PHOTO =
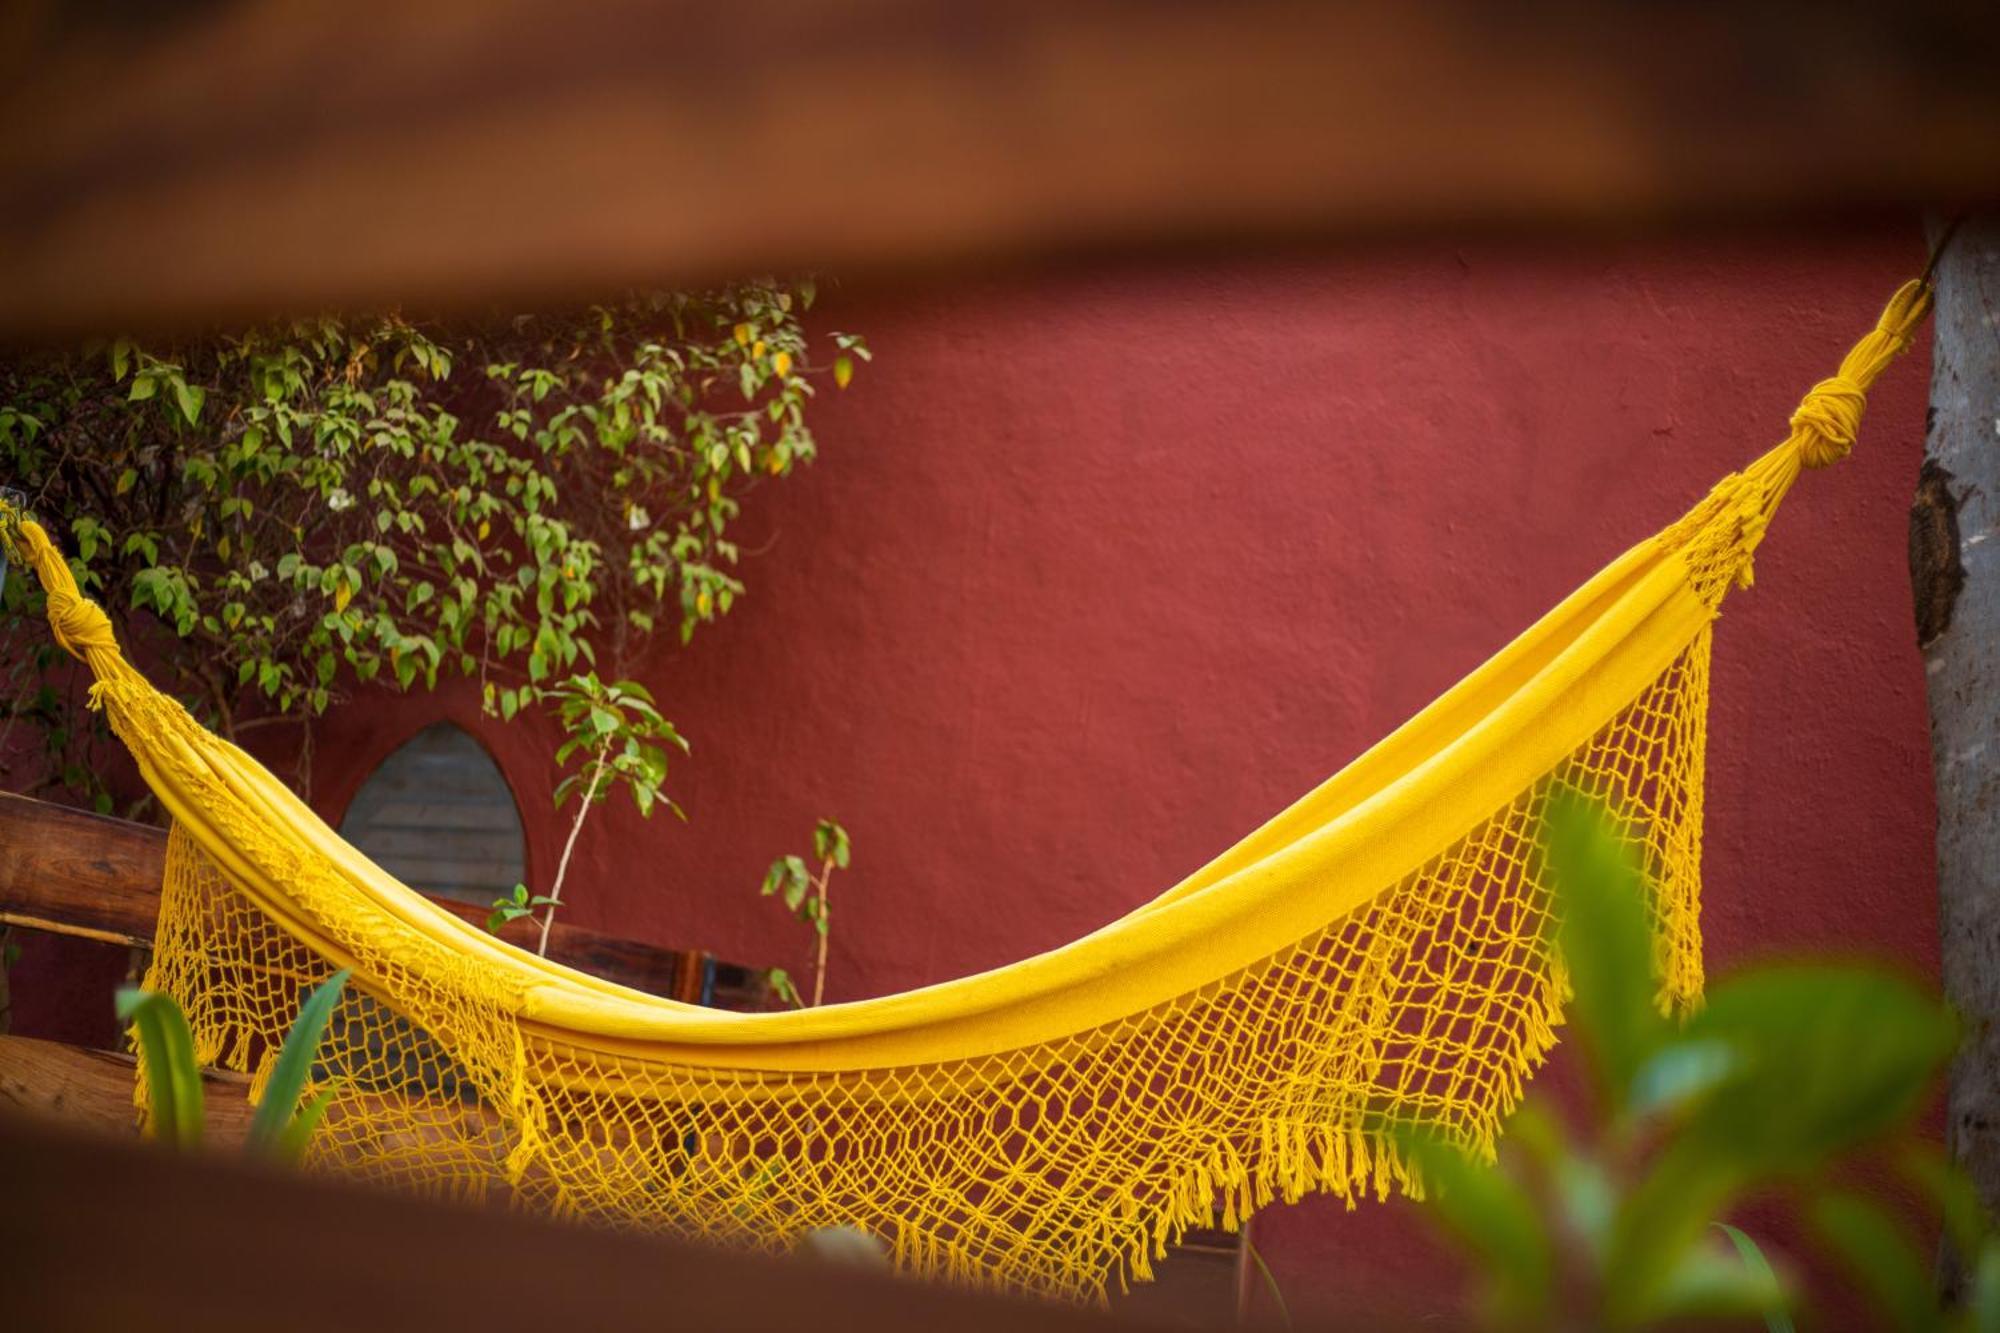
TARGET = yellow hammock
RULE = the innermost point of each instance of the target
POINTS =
(1368, 962)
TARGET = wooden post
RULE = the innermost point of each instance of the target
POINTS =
(1955, 575)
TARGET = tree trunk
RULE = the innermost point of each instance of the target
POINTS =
(1955, 575)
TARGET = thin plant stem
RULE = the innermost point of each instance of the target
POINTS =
(562, 866)
(825, 928)
(1270, 1281)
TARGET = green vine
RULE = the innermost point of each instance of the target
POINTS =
(277, 516)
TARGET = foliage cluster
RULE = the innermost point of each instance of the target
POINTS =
(279, 514)
(1785, 1075)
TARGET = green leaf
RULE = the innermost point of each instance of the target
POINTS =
(189, 397)
(797, 880)
(294, 1065)
(1965, 1221)
(1827, 1057)
(1493, 1217)
(1664, 1217)
(166, 1053)
(1776, 1319)
(1606, 942)
(830, 843)
(1982, 1302)
(512, 908)
(1705, 1285)
(1875, 1250)
(1679, 1073)
(296, 1136)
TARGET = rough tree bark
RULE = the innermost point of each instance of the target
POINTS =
(1955, 574)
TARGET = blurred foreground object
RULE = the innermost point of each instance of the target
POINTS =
(312, 1256)
(1787, 1075)
(229, 160)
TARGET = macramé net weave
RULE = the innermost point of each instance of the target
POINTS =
(1052, 1126)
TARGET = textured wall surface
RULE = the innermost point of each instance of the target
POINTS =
(1099, 568)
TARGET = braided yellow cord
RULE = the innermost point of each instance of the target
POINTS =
(1371, 961)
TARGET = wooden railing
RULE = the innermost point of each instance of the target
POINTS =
(89, 877)
(900, 135)
(98, 1234)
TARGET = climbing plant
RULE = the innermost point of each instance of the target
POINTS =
(804, 893)
(616, 738)
(277, 515)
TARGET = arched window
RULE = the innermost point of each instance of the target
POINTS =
(438, 815)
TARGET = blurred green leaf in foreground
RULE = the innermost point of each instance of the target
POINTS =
(1788, 1073)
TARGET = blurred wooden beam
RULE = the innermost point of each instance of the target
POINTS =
(50, 1084)
(83, 875)
(99, 1235)
(217, 160)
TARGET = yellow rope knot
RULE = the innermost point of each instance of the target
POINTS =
(1828, 421)
(1825, 426)
(79, 623)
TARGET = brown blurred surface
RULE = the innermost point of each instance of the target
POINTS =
(218, 160)
(105, 1235)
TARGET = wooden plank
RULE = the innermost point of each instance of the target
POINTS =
(100, 1235)
(93, 1089)
(327, 153)
(85, 875)
(79, 874)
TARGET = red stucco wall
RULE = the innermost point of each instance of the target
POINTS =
(1098, 569)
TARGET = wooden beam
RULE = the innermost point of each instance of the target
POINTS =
(79, 874)
(223, 160)
(73, 873)
(98, 1234)
(92, 1090)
